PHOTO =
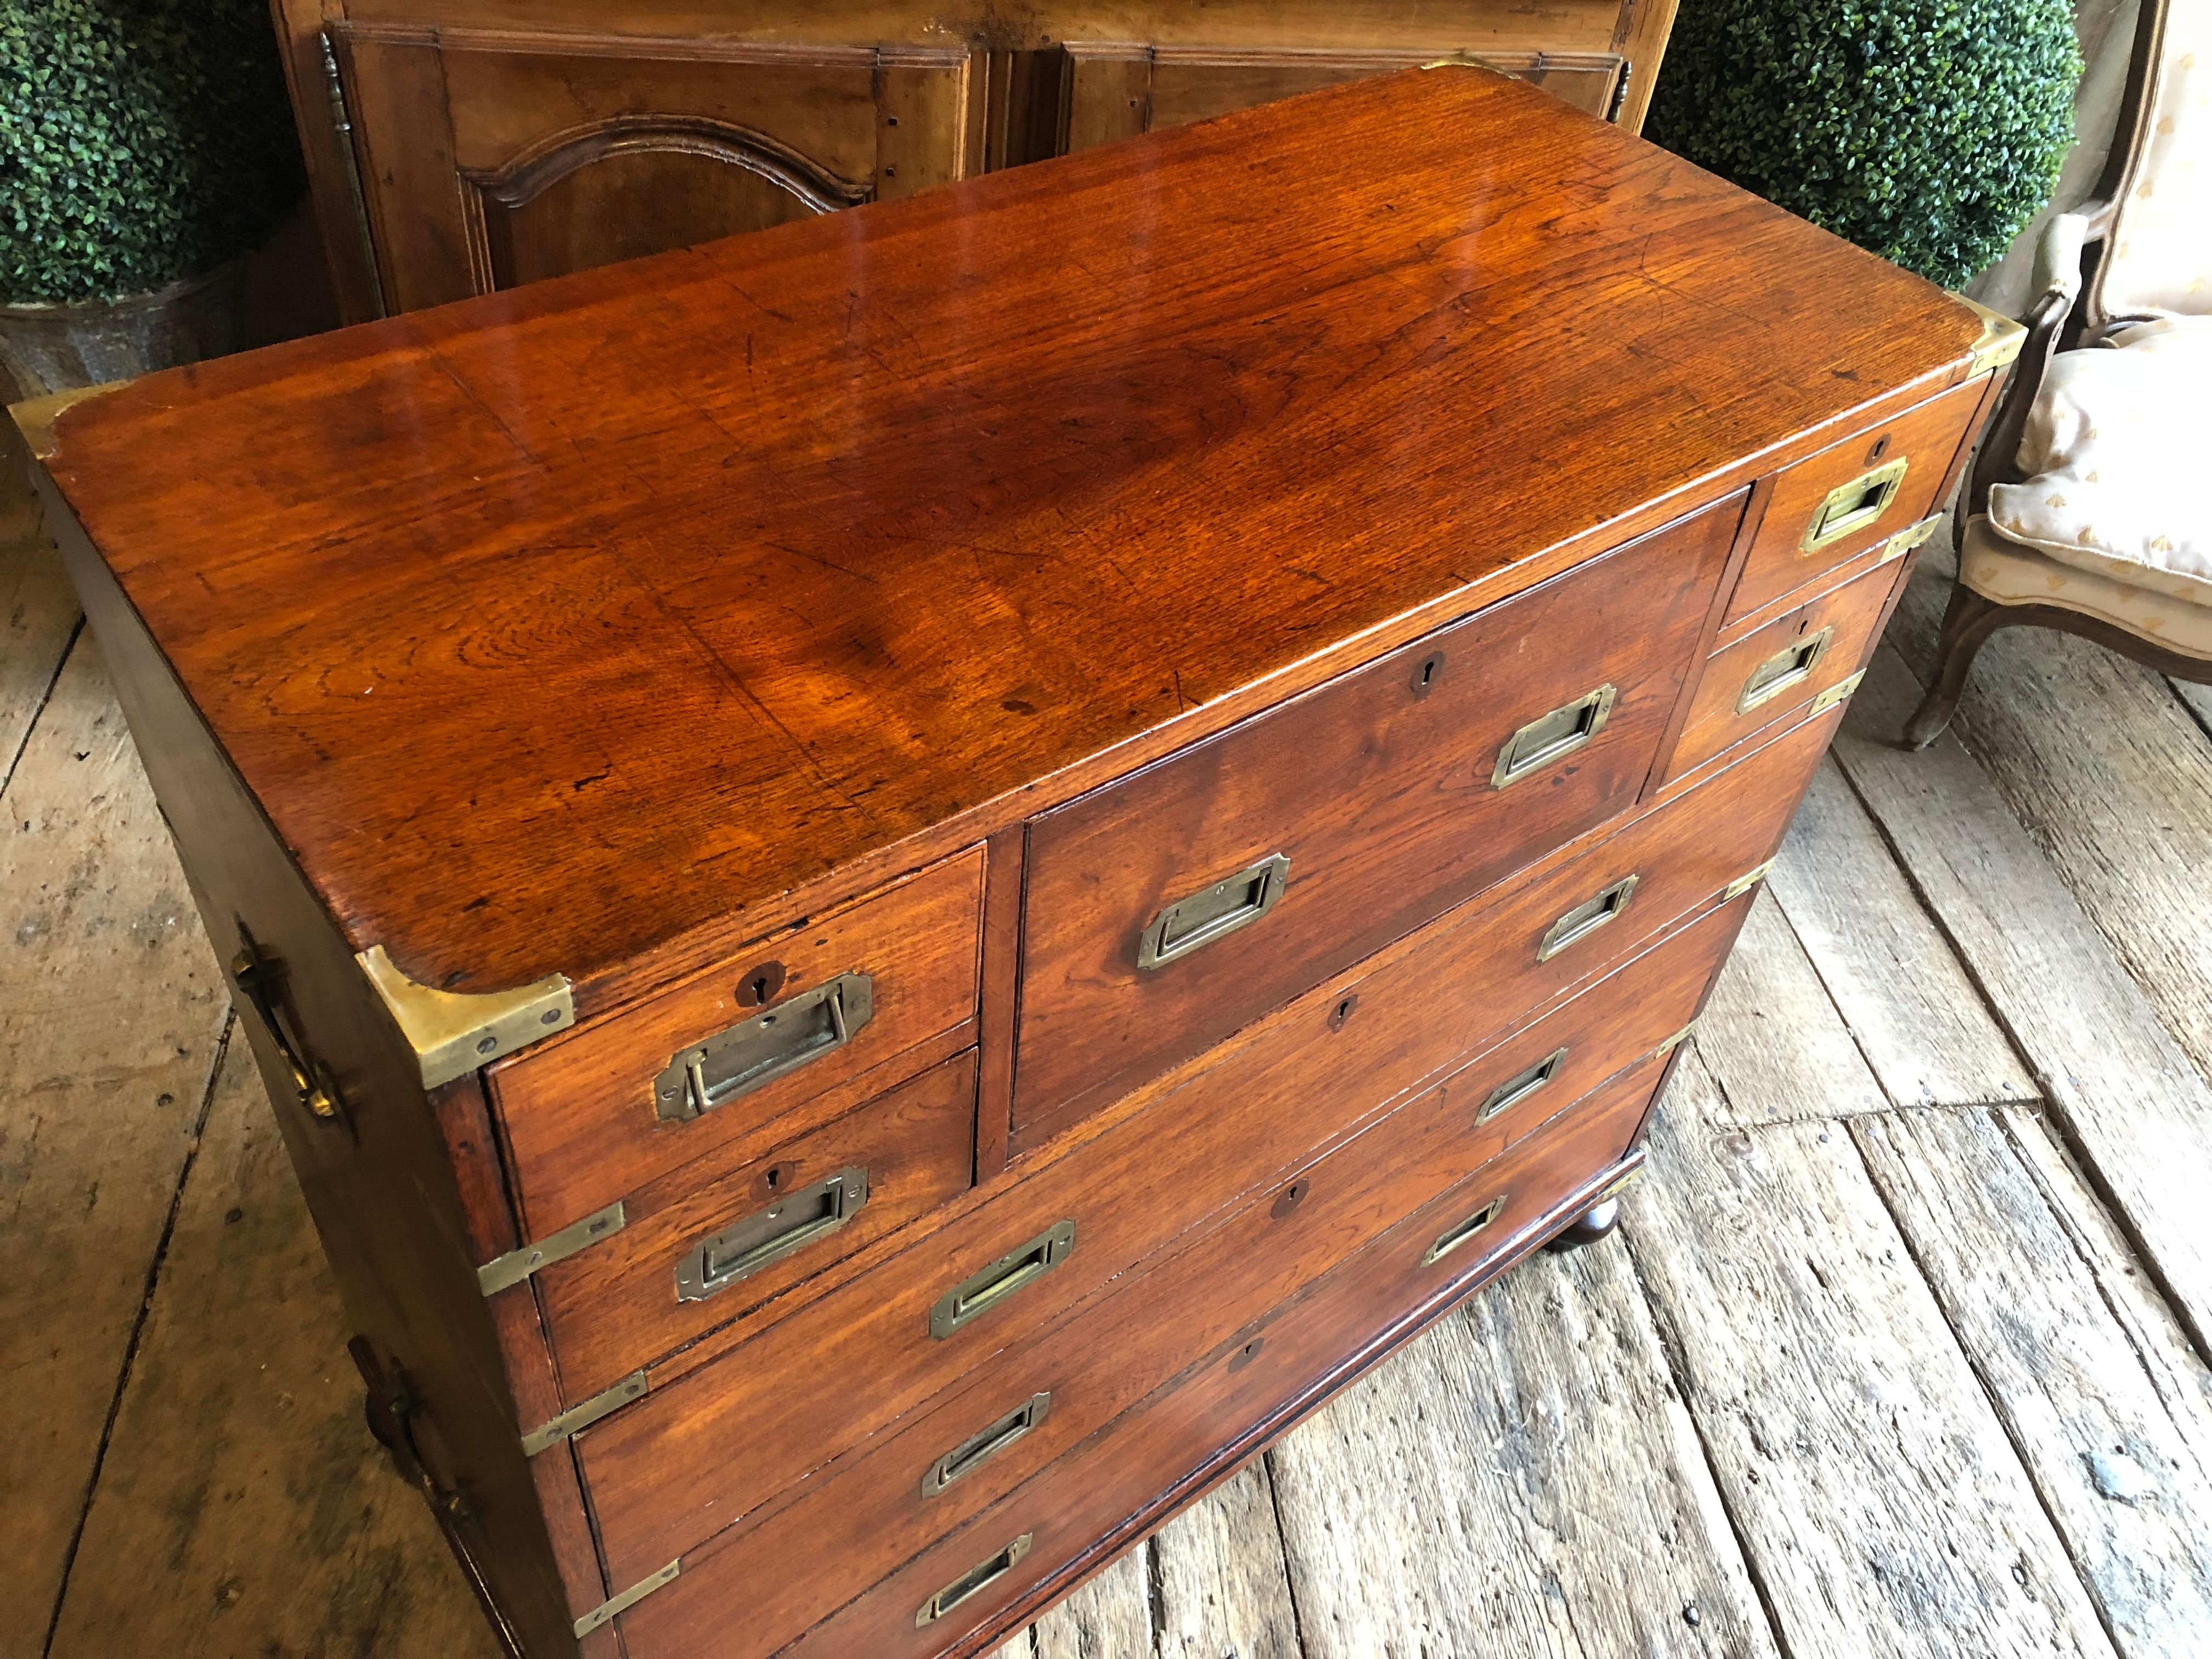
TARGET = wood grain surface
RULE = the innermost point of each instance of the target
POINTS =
(683, 585)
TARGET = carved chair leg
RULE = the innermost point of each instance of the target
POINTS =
(1967, 623)
(1588, 1227)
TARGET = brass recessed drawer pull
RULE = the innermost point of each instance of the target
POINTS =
(1511, 1092)
(974, 1297)
(788, 1225)
(1452, 1237)
(759, 1050)
(1854, 505)
(1586, 918)
(1213, 912)
(1554, 737)
(974, 1582)
(256, 976)
(979, 1449)
(1791, 666)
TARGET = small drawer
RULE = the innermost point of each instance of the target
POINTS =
(797, 1031)
(1772, 674)
(1168, 909)
(712, 1241)
(1212, 1415)
(1833, 507)
(1048, 1392)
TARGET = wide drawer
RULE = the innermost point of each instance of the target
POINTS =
(1774, 673)
(709, 1446)
(1169, 909)
(1833, 507)
(797, 1031)
(714, 1240)
(1214, 1415)
(1021, 1408)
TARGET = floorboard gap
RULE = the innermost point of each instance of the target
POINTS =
(39, 707)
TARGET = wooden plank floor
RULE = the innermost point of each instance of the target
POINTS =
(1901, 1349)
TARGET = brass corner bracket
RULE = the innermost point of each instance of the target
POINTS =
(2001, 337)
(35, 417)
(452, 1033)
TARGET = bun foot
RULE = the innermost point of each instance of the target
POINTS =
(1588, 1227)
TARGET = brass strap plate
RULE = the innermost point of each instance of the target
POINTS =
(1909, 538)
(767, 1235)
(973, 1298)
(1554, 737)
(577, 1418)
(1676, 1041)
(1212, 912)
(1836, 693)
(977, 1579)
(516, 1266)
(1744, 883)
(605, 1612)
(754, 1053)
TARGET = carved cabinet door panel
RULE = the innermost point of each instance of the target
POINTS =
(490, 159)
(1109, 90)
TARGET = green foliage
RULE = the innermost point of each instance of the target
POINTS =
(1928, 131)
(141, 142)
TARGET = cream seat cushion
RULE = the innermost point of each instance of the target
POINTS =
(2118, 452)
(2011, 573)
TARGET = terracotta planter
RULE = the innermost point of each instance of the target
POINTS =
(51, 347)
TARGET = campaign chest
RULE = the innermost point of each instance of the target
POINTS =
(902, 883)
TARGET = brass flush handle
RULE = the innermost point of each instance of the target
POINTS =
(1854, 505)
(1514, 1089)
(1586, 918)
(973, 1298)
(1452, 1237)
(1793, 664)
(1554, 737)
(985, 1444)
(769, 1235)
(974, 1582)
(754, 1052)
(1213, 912)
(259, 977)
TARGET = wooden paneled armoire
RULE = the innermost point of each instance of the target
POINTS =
(457, 147)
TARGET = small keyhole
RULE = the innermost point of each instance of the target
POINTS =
(1245, 1355)
(1342, 1012)
(890, 120)
(775, 1179)
(1290, 1198)
(1426, 672)
(759, 984)
(1881, 449)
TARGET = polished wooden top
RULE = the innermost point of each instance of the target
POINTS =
(569, 624)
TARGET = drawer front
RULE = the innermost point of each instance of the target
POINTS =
(694, 1456)
(1772, 674)
(862, 1516)
(1833, 507)
(796, 1031)
(1169, 908)
(1246, 1390)
(716, 1239)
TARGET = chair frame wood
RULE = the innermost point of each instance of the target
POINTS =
(2066, 313)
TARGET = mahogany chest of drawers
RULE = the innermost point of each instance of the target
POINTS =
(903, 883)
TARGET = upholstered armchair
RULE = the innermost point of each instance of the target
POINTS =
(2090, 506)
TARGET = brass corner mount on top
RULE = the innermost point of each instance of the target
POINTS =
(2001, 337)
(451, 1032)
(36, 417)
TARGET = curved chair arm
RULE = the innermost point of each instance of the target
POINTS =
(2058, 286)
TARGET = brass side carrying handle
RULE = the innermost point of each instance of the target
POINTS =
(257, 977)
(974, 1582)
(973, 1298)
(1514, 1089)
(1213, 912)
(1554, 737)
(1791, 666)
(769, 1235)
(985, 1444)
(1586, 918)
(1854, 505)
(754, 1053)
(1452, 1237)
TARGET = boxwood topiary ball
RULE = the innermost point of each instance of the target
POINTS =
(1928, 131)
(141, 142)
